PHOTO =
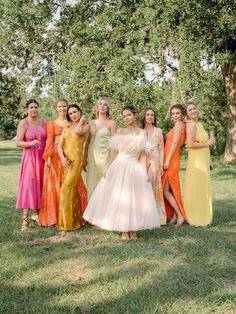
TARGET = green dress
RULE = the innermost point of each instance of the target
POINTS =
(98, 157)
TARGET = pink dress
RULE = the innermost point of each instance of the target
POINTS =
(32, 169)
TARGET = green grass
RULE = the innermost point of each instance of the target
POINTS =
(168, 270)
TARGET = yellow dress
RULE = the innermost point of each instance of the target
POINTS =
(70, 213)
(98, 157)
(197, 186)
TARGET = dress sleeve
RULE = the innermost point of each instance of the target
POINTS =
(48, 152)
(161, 147)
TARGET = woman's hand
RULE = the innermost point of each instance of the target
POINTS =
(161, 172)
(49, 162)
(35, 143)
(166, 164)
(65, 162)
(211, 141)
(84, 163)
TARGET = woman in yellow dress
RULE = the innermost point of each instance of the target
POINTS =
(70, 150)
(98, 152)
(197, 187)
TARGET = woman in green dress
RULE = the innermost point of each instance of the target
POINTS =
(97, 150)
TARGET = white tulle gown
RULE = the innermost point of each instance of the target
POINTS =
(124, 200)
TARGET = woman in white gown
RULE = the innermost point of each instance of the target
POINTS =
(123, 199)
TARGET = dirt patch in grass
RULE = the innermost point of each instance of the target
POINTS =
(63, 238)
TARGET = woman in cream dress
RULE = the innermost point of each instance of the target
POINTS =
(97, 150)
(123, 199)
(197, 187)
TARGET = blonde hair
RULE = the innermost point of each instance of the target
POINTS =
(95, 109)
(189, 103)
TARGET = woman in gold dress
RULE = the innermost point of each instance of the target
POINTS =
(98, 152)
(197, 187)
(70, 150)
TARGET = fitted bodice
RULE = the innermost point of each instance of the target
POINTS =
(99, 138)
(72, 144)
(129, 146)
(201, 134)
(169, 141)
(35, 133)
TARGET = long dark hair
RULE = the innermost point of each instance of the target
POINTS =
(72, 106)
(180, 107)
(130, 108)
(31, 101)
(144, 115)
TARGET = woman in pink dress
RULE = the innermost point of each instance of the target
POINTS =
(31, 136)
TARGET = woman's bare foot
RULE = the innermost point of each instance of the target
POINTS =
(180, 222)
(125, 236)
(173, 220)
(133, 235)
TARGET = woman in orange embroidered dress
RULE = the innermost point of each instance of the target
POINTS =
(48, 215)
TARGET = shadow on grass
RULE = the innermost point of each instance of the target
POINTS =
(169, 275)
(10, 156)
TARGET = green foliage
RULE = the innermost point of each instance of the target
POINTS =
(10, 96)
(92, 49)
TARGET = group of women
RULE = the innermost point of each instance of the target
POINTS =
(132, 178)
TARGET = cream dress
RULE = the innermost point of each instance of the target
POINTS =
(124, 200)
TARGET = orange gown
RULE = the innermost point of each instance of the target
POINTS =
(173, 173)
(48, 215)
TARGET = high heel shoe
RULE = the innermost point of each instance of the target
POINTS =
(25, 222)
(35, 219)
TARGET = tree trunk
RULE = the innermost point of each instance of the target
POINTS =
(229, 73)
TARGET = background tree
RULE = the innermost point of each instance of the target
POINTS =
(86, 49)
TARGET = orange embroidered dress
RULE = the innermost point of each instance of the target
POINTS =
(48, 215)
(173, 173)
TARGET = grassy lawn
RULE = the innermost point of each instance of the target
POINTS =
(168, 270)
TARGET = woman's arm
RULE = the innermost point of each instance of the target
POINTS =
(48, 151)
(20, 137)
(161, 152)
(191, 137)
(178, 129)
(81, 128)
(64, 160)
(113, 127)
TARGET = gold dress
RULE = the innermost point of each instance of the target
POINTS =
(98, 157)
(70, 213)
(197, 186)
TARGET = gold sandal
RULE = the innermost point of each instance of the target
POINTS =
(35, 218)
(25, 222)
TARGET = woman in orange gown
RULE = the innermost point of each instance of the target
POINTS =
(48, 215)
(170, 180)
